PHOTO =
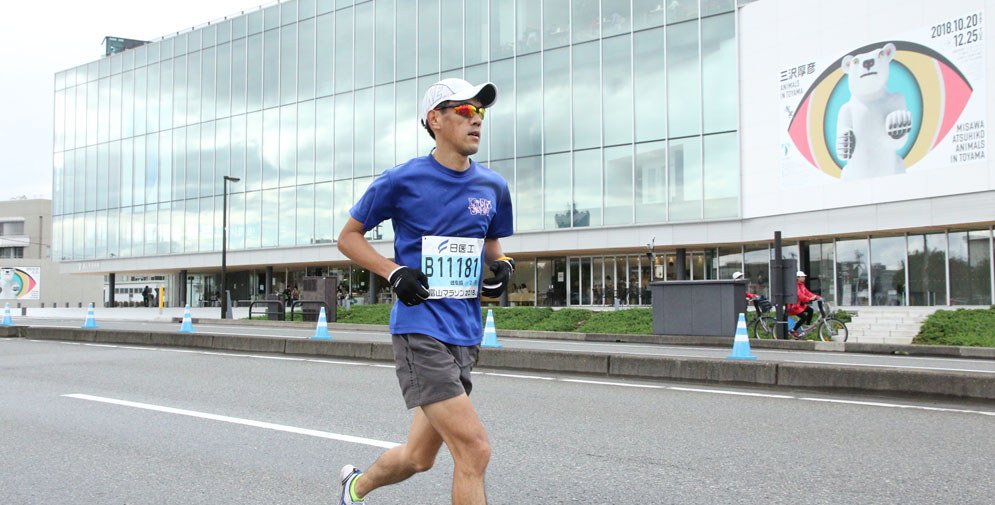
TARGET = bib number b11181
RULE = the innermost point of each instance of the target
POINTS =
(452, 265)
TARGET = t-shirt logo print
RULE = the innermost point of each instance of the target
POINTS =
(480, 206)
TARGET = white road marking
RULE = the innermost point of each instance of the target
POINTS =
(726, 392)
(900, 406)
(874, 365)
(516, 376)
(237, 420)
(607, 383)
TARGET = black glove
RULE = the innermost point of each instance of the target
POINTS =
(410, 284)
(502, 268)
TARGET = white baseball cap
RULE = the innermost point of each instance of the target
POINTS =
(456, 90)
(800, 274)
(737, 275)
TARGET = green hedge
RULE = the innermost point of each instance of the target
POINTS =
(628, 321)
(964, 327)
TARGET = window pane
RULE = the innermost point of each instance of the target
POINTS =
(820, 275)
(406, 39)
(223, 82)
(452, 34)
(271, 68)
(502, 28)
(288, 225)
(343, 50)
(222, 163)
(428, 36)
(364, 133)
(288, 145)
(888, 270)
(529, 102)
(617, 98)
(651, 182)
(323, 213)
(343, 136)
(238, 76)
(587, 188)
(305, 214)
(556, 107)
(408, 126)
(383, 104)
(529, 17)
(173, 93)
(683, 91)
(165, 154)
(851, 272)
(151, 169)
(476, 32)
(618, 185)
(684, 165)
(193, 162)
(177, 222)
(324, 139)
(288, 64)
(556, 192)
(253, 218)
(114, 125)
(238, 139)
(384, 59)
(709, 7)
(556, 23)
(364, 45)
(288, 12)
(718, 48)
(325, 55)
(506, 169)
(681, 10)
(647, 14)
(271, 149)
(586, 96)
(528, 205)
(151, 103)
(615, 14)
(502, 119)
(305, 142)
(757, 269)
(305, 60)
(236, 221)
(270, 218)
(127, 169)
(254, 88)
(253, 151)
(586, 20)
(970, 268)
(721, 176)
(342, 203)
(730, 260)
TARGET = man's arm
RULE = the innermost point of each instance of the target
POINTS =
(354, 245)
(492, 250)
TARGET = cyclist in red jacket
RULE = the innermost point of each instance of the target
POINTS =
(801, 310)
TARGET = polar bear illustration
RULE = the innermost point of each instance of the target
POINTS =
(9, 287)
(872, 126)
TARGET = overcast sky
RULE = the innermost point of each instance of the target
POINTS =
(40, 38)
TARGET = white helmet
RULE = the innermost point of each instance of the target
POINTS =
(800, 274)
(737, 275)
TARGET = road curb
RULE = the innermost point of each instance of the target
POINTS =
(971, 385)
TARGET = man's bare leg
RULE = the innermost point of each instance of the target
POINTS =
(457, 423)
(403, 461)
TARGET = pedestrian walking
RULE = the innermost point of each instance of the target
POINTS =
(447, 210)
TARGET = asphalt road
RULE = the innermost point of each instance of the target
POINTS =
(166, 425)
(834, 358)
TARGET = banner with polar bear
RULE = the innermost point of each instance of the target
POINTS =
(20, 283)
(885, 108)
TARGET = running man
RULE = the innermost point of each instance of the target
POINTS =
(448, 213)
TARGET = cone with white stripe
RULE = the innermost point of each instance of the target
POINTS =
(321, 332)
(741, 346)
(490, 333)
(6, 316)
(90, 323)
(187, 326)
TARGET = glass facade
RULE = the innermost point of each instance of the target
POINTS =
(610, 113)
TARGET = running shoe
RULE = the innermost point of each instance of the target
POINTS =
(348, 474)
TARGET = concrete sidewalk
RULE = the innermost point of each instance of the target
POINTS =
(891, 381)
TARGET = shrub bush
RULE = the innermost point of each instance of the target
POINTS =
(965, 327)
(629, 321)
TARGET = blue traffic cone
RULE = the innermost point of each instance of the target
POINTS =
(741, 346)
(321, 331)
(89, 323)
(6, 316)
(490, 333)
(187, 326)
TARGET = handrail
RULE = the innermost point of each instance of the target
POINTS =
(295, 303)
(253, 304)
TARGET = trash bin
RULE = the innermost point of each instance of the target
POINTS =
(700, 308)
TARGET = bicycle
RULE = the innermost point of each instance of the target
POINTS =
(761, 326)
(829, 328)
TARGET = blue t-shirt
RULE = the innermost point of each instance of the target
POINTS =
(428, 203)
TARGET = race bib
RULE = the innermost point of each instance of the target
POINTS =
(452, 265)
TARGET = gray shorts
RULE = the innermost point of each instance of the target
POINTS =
(430, 371)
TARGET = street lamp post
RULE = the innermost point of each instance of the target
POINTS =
(225, 314)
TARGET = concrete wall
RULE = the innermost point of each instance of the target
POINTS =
(55, 287)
